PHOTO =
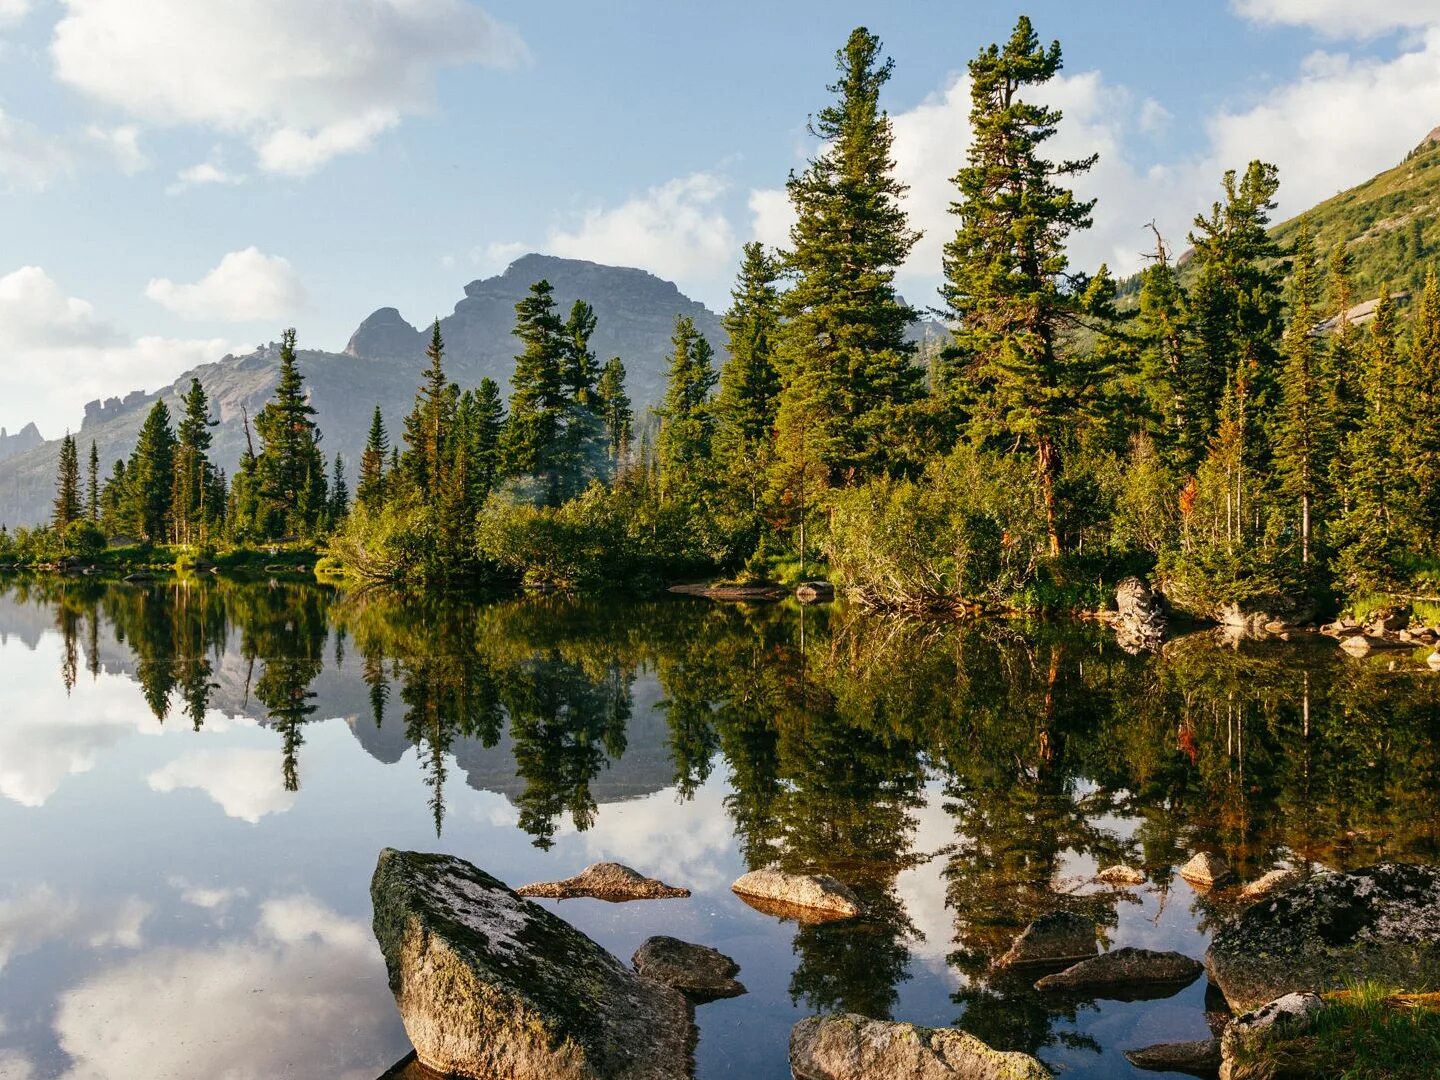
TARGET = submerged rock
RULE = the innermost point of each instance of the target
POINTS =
(850, 1047)
(1205, 869)
(1199, 1058)
(1380, 923)
(1127, 970)
(1060, 937)
(1285, 1017)
(493, 987)
(806, 897)
(697, 971)
(815, 592)
(1120, 875)
(605, 881)
(1267, 884)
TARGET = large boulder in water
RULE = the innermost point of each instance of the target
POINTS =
(697, 971)
(1381, 923)
(492, 986)
(1139, 616)
(850, 1047)
(804, 897)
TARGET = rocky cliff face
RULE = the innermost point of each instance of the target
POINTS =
(27, 438)
(382, 364)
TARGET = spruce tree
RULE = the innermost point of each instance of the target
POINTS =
(1302, 442)
(486, 439)
(194, 475)
(1162, 327)
(687, 419)
(290, 469)
(428, 427)
(1344, 392)
(92, 488)
(149, 477)
(371, 492)
(67, 506)
(847, 363)
(339, 494)
(534, 444)
(115, 502)
(584, 430)
(616, 414)
(745, 406)
(1007, 280)
(1421, 404)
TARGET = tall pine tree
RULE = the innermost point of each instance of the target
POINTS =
(290, 470)
(67, 507)
(1302, 434)
(687, 419)
(535, 432)
(745, 406)
(616, 413)
(371, 492)
(149, 478)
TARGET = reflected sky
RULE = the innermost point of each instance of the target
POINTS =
(195, 782)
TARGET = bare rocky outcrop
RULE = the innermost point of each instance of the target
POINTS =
(1126, 972)
(610, 881)
(1285, 1017)
(1059, 937)
(1200, 1057)
(1140, 620)
(1381, 923)
(804, 897)
(1267, 884)
(493, 987)
(850, 1047)
(697, 971)
(1205, 870)
(1120, 875)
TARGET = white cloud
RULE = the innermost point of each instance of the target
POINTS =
(60, 354)
(204, 174)
(28, 157)
(490, 258)
(1339, 18)
(246, 286)
(301, 80)
(771, 216)
(30, 919)
(1154, 118)
(245, 784)
(12, 11)
(676, 230)
(122, 145)
(307, 986)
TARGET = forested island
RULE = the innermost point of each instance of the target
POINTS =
(1229, 422)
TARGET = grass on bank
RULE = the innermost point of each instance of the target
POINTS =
(1367, 1033)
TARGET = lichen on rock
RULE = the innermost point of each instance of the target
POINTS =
(851, 1047)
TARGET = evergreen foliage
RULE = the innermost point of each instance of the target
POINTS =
(67, 485)
(289, 470)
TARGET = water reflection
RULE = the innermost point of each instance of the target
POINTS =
(1001, 762)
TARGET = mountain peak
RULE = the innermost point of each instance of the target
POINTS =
(384, 333)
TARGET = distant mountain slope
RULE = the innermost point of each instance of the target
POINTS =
(382, 364)
(27, 438)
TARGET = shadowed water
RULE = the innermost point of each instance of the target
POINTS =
(195, 780)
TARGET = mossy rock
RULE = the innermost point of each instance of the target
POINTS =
(492, 986)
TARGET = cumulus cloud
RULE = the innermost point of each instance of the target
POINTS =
(122, 145)
(1337, 18)
(61, 354)
(12, 11)
(245, 784)
(301, 80)
(246, 286)
(308, 985)
(30, 919)
(28, 157)
(676, 230)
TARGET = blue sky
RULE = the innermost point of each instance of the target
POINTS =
(185, 177)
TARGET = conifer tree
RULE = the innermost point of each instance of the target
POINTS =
(486, 439)
(92, 487)
(339, 494)
(687, 419)
(745, 406)
(846, 361)
(290, 469)
(535, 431)
(579, 359)
(194, 475)
(584, 431)
(1302, 444)
(615, 410)
(428, 427)
(1421, 387)
(149, 477)
(371, 492)
(115, 502)
(67, 485)
(1344, 393)
(1007, 282)
(1163, 329)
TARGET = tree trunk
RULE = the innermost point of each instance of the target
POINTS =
(1047, 464)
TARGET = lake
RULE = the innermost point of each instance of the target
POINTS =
(196, 779)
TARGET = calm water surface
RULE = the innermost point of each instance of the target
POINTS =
(195, 781)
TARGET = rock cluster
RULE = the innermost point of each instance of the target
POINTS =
(492, 986)
(610, 881)
(850, 1047)
(1139, 616)
(1386, 630)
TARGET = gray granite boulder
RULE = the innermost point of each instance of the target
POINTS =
(1380, 923)
(610, 881)
(1060, 937)
(493, 987)
(1127, 971)
(1283, 1018)
(1200, 1057)
(1205, 869)
(850, 1047)
(1120, 875)
(805, 897)
(697, 971)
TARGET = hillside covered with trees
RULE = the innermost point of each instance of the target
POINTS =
(1230, 431)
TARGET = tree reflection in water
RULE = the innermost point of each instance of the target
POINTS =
(1041, 738)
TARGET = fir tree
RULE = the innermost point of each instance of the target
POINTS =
(535, 432)
(846, 362)
(745, 406)
(371, 492)
(92, 486)
(428, 427)
(67, 485)
(1302, 435)
(290, 469)
(115, 502)
(339, 508)
(687, 419)
(149, 477)
(1421, 387)
(194, 475)
(1163, 329)
(584, 430)
(616, 413)
(486, 439)
(1006, 273)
